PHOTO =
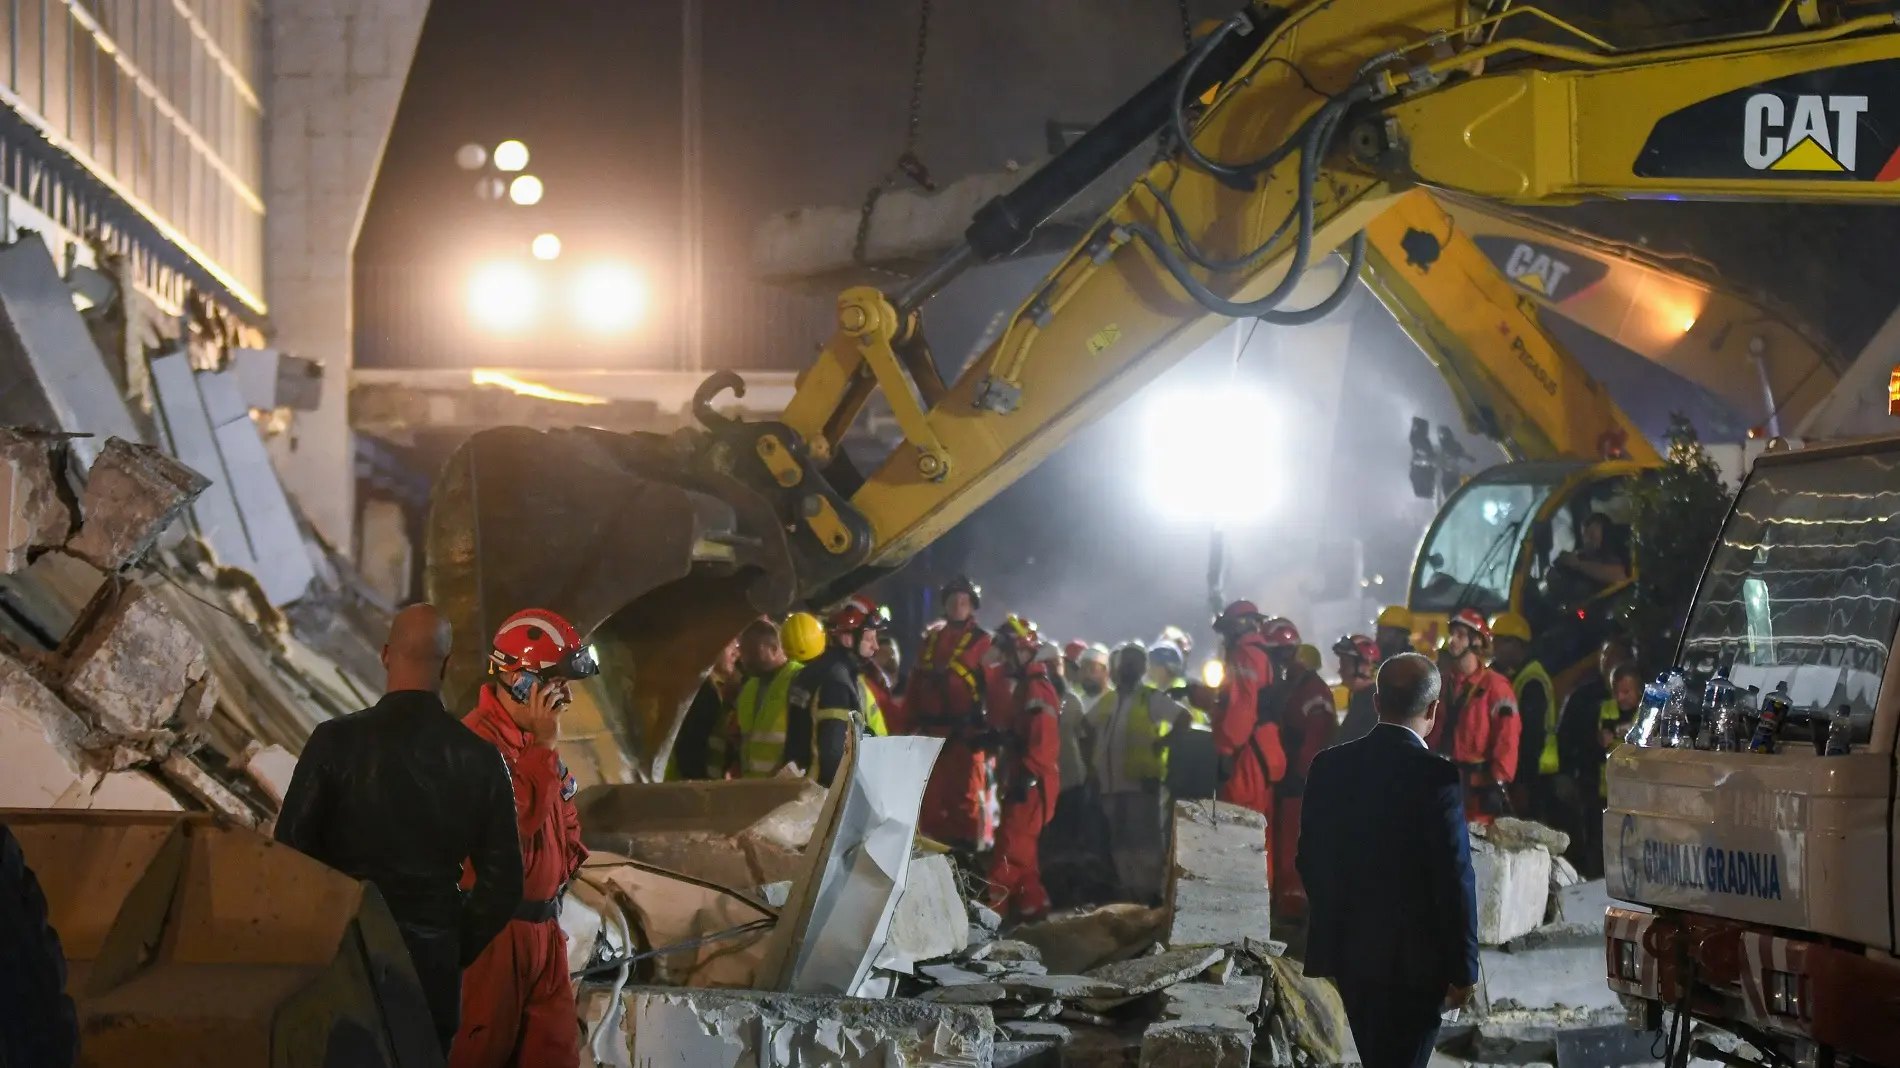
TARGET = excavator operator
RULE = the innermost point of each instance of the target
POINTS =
(1301, 703)
(1247, 741)
(1030, 770)
(517, 999)
(945, 700)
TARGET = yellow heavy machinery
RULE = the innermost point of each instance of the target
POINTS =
(1322, 118)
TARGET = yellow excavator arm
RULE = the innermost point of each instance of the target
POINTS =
(1289, 132)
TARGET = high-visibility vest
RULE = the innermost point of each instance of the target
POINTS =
(1534, 674)
(1177, 691)
(872, 723)
(762, 721)
(873, 712)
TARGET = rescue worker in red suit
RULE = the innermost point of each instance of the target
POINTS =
(945, 700)
(1248, 742)
(1302, 704)
(1030, 744)
(517, 1000)
(1479, 728)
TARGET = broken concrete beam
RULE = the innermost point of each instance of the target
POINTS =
(34, 514)
(928, 920)
(1217, 881)
(1145, 975)
(1230, 1004)
(727, 1028)
(1189, 1045)
(179, 770)
(132, 494)
(1513, 889)
(131, 668)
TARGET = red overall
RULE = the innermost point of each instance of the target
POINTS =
(1031, 783)
(1246, 739)
(1480, 712)
(1303, 707)
(517, 1000)
(941, 701)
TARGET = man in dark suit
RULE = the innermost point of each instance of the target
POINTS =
(398, 795)
(1387, 867)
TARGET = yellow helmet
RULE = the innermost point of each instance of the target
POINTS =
(1510, 625)
(802, 636)
(1308, 655)
(1395, 615)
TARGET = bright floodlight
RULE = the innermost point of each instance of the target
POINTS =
(1209, 454)
(525, 190)
(503, 297)
(470, 157)
(1213, 673)
(609, 298)
(545, 247)
(511, 156)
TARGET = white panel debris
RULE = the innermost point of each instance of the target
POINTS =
(282, 565)
(730, 1029)
(54, 377)
(215, 513)
(928, 922)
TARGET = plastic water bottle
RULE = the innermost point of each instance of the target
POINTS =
(1649, 715)
(1840, 732)
(1774, 712)
(1675, 732)
(1718, 699)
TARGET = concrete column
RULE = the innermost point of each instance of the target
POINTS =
(336, 74)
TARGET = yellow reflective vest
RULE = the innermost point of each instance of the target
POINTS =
(1533, 674)
(761, 713)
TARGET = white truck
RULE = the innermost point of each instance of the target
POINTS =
(1762, 885)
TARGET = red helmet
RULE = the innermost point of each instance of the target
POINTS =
(539, 641)
(1018, 632)
(856, 615)
(1235, 614)
(1280, 632)
(1074, 649)
(1357, 645)
(1474, 621)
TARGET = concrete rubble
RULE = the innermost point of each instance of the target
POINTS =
(133, 494)
(671, 1028)
(1512, 860)
(1217, 882)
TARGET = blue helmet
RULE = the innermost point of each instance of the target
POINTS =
(1167, 655)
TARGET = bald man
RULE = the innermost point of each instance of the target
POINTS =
(397, 795)
(1386, 859)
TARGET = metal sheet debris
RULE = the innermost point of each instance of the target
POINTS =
(55, 378)
(281, 562)
(182, 415)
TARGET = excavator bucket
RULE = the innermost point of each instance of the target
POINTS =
(647, 544)
(191, 942)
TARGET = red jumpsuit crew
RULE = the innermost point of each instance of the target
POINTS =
(944, 700)
(517, 1000)
(1247, 742)
(1479, 726)
(1302, 704)
(1031, 780)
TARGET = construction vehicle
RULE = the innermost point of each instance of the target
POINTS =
(1764, 861)
(662, 547)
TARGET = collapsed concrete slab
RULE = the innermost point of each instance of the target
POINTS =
(728, 1029)
(664, 908)
(737, 833)
(1194, 1045)
(928, 922)
(34, 514)
(1232, 1004)
(133, 493)
(131, 668)
(1513, 889)
(1075, 944)
(1145, 975)
(1217, 880)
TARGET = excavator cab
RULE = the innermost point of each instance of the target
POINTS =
(1505, 540)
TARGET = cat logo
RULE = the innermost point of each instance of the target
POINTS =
(1816, 133)
(1536, 271)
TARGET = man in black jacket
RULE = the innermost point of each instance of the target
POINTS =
(1383, 851)
(399, 795)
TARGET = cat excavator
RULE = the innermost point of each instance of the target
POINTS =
(661, 547)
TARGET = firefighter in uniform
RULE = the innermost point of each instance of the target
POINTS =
(1479, 728)
(1536, 714)
(1248, 742)
(517, 999)
(1298, 700)
(945, 700)
(830, 700)
(1029, 738)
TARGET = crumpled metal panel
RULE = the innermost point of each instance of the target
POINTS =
(658, 564)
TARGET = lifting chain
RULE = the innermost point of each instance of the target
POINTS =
(908, 165)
